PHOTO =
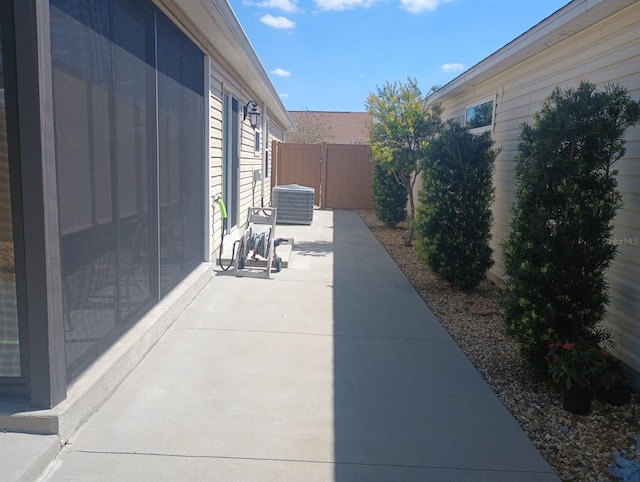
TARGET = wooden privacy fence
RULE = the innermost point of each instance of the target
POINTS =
(339, 173)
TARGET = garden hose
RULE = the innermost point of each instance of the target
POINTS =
(223, 215)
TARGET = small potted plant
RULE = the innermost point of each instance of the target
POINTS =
(578, 367)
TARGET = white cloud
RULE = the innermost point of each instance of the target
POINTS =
(285, 5)
(277, 22)
(281, 72)
(343, 4)
(284, 96)
(417, 6)
(452, 67)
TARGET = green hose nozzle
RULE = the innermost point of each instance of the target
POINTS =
(222, 208)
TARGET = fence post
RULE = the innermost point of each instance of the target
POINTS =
(275, 155)
(323, 174)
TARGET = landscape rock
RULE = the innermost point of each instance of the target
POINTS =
(579, 448)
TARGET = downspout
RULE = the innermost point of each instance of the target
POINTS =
(263, 154)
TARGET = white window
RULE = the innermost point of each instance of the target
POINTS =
(266, 163)
(479, 117)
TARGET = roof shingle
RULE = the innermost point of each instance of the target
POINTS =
(345, 127)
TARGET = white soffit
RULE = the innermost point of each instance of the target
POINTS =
(569, 20)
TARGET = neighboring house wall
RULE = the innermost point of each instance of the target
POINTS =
(606, 52)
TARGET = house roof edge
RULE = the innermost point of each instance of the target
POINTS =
(574, 17)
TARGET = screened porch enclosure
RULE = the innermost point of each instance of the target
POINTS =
(129, 109)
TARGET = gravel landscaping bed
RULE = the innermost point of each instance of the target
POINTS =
(579, 448)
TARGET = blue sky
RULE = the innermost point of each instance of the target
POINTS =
(330, 54)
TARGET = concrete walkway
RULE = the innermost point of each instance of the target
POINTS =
(335, 370)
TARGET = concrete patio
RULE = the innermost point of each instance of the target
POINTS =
(334, 370)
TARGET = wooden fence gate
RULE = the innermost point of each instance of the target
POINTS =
(339, 173)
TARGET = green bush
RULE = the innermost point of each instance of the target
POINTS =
(389, 196)
(558, 250)
(453, 223)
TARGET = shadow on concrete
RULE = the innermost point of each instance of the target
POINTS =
(313, 248)
(408, 405)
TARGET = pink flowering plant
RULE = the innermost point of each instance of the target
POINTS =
(578, 364)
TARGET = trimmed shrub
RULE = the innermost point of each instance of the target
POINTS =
(453, 223)
(402, 125)
(559, 247)
(389, 196)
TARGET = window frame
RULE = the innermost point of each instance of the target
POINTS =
(16, 387)
(482, 101)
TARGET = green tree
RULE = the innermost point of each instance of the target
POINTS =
(389, 197)
(403, 124)
(453, 224)
(558, 250)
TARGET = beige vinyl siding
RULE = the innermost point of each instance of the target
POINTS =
(607, 52)
(225, 79)
(250, 193)
(215, 157)
(249, 161)
(221, 83)
(275, 133)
